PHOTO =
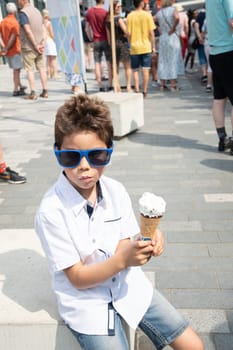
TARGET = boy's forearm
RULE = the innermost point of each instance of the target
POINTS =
(89, 276)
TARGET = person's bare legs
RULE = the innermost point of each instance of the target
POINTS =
(162, 84)
(173, 84)
(43, 78)
(52, 66)
(16, 79)
(218, 111)
(136, 80)
(31, 80)
(98, 74)
(128, 74)
(188, 340)
(154, 64)
(146, 77)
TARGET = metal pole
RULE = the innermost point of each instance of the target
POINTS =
(83, 65)
(113, 43)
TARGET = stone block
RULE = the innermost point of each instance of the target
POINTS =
(126, 111)
(28, 317)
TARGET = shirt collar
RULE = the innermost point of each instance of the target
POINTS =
(72, 198)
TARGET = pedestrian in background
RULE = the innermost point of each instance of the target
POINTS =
(220, 38)
(183, 28)
(140, 28)
(200, 49)
(96, 31)
(10, 43)
(207, 53)
(50, 50)
(190, 56)
(32, 37)
(170, 62)
(121, 44)
(88, 46)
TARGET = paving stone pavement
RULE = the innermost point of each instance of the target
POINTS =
(174, 155)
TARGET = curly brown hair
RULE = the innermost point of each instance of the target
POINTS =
(83, 113)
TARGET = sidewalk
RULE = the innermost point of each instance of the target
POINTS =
(173, 155)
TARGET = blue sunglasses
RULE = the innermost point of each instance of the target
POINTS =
(96, 157)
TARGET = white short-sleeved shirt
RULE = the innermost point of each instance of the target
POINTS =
(68, 235)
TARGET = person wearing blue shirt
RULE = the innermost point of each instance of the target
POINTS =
(219, 14)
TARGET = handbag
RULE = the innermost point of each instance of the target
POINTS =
(195, 44)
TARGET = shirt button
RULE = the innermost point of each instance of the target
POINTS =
(93, 241)
(114, 279)
(92, 219)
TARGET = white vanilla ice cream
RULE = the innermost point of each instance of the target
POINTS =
(152, 206)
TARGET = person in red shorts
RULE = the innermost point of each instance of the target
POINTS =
(96, 32)
(9, 40)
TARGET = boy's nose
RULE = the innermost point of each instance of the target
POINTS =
(84, 163)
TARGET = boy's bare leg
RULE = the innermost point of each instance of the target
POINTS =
(188, 340)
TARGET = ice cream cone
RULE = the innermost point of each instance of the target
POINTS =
(148, 225)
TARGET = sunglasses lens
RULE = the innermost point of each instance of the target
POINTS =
(69, 159)
(99, 157)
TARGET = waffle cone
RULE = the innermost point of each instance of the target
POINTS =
(148, 225)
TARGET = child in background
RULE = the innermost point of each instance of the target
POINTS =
(87, 227)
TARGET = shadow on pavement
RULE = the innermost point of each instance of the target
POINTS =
(167, 140)
(221, 164)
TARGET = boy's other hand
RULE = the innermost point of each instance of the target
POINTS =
(157, 243)
(136, 253)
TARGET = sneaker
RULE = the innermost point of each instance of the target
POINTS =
(102, 89)
(12, 177)
(204, 79)
(155, 83)
(208, 88)
(191, 70)
(224, 144)
(31, 96)
(16, 93)
(44, 94)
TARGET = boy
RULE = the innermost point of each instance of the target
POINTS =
(85, 224)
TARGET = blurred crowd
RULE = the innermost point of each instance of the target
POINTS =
(160, 39)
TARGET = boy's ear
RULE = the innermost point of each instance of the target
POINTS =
(55, 146)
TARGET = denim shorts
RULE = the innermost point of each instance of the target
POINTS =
(201, 55)
(162, 323)
(15, 62)
(143, 60)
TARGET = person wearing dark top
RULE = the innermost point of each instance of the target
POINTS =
(122, 47)
(201, 51)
